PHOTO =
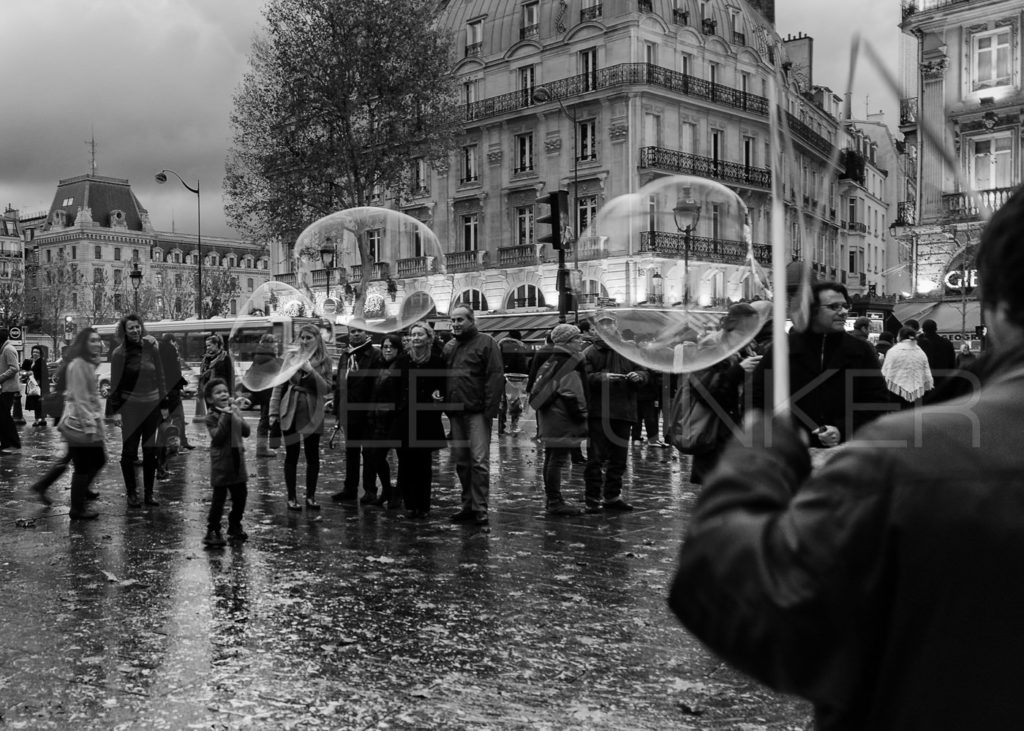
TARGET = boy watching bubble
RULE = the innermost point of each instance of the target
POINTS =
(227, 431)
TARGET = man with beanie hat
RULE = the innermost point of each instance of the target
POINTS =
(475, 382)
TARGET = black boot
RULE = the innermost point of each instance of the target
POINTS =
(148, 499)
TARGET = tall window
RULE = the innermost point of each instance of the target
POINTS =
(716, 144)
(586, 61)
(470, 224)
(470, 90)
(716, 221)
(992, 161)
(74, 252)
(117, 277)
(419, 177)
(713, 72)
(651, 53)
(469, 164)
(97, 252)
(527, 77)
(97, 275)
(586, 137)
(652, 129)
(531, 20)
(685, 64)
(586, 207)
(991, 55)
(524, 225)
(474, 38)
(417, 243)
(524, 153)
(749, 146)
(374, 238)
(525, 295)
(686, 134)
(117, 253)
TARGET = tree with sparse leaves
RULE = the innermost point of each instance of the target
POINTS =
(12, 300)
(341, 95)
(97, 301)
(56, 283)
(220, 286)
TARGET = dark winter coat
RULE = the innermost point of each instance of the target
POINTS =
(611, 398)
(357, 371)
(940, 351)
(515, 355)
(418, 422)
(834, 379)
(882, 588)
(476, 374)
(125, 373)
(387, 391)
(219, 366)
(560, 400)
(227, 448)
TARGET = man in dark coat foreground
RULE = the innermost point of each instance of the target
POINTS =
(884, 587)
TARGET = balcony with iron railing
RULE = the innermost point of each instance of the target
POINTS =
(960, 206)
(680, 17)
(529, 31)
(519, 256)
(381, 270)
(630, 74)
(457, 262)
(474, 49)
(858, 227)
(592, 13)
(706, 167)
(669, 244)
(645, 6)
(417, 266)
(908, 111)
(804, 132)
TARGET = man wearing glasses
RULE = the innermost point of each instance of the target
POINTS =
(834, 379)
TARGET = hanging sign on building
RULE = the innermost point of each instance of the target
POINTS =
(957, 280)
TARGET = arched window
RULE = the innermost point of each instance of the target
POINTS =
(589, 294)
(525, 295)
(249, 284)
(472, 297)
(419, 303)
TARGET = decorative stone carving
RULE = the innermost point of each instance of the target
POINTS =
(618, 132)
(552, 145)
(935, 68)
(494, 157)
(84, 217)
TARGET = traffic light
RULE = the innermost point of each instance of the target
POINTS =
(558, 202)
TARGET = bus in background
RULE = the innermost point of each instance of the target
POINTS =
(241, 337)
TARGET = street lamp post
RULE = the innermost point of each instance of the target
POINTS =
(542, 94)
(327, 256)
(136, 277)
(161, 177)
(686, 214)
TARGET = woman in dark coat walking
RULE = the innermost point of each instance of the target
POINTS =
(418, 421)
(36, 367)
(387, 390)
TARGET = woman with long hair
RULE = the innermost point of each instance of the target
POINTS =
(83, 420)
(418, 420)
(299, 404)
(137, 391)
(35, 367)
(386, 393)
(906, 371)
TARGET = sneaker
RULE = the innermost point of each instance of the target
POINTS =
(463, 516)
(237, 535)
(656, 443)
(618, 506)
(563, 509)
(214, 539)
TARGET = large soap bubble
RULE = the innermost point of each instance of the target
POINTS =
(268, 368)
(696, 257)
(383, 262)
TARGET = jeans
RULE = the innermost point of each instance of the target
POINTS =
(556, 459)
(9, 436)
(139, 423)
(606, 459)
(293, 443)
(88, 461)
(239, 493)
(471, 450)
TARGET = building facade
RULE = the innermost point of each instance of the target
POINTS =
(963, 119)
(599, 98)
(79, 263)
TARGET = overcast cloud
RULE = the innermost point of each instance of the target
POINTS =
(154, 79)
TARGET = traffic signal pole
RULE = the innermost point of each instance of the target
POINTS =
(558, 203)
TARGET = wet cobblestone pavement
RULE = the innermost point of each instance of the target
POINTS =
(355, 618)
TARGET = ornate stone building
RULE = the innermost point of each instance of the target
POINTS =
(599, 97)
(96, 233)
(963, 120)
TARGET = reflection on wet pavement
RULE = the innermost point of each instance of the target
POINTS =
(356, 617)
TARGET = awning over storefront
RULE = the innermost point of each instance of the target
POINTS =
(949, 315)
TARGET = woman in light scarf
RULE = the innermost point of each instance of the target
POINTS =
(299, 404)
(906, 370)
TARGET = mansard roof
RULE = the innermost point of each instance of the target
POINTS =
(101, 195)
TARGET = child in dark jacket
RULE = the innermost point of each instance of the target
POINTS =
(227, 461)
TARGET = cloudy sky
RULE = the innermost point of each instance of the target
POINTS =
(153, 81)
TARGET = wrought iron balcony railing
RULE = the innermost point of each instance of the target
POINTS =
(592, 13)
(681, 17)
(857, 227)
(645, 6)
(529, 31)
(808, 135)
(706, 167)
(631, 74)
(474, 49)
(960, 207)
(674, 245)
